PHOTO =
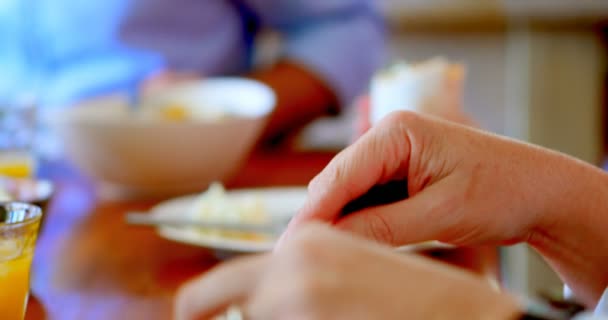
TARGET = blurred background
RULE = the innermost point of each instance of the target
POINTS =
(536, 70)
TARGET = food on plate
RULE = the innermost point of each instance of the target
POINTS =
(428, 86)
(4, 196)
(215, 205)
(24, 190)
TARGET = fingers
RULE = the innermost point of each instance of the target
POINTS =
(212, 292)
(428, 215)
(380, 155)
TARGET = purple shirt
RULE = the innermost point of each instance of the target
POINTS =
(101, 46)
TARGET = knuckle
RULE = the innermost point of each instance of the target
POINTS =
(400, 118)
(333, 173)
(379, 229)
(336, 178)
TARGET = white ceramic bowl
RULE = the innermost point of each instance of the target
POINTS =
(144, 156)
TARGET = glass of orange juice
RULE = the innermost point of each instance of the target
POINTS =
(19, 224)
(17, 132)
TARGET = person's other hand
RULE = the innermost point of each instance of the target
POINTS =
(324, 274)
(465, 186)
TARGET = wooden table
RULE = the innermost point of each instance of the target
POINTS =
(90, 265)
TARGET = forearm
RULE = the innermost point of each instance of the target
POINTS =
(301, 97)
(573, 234)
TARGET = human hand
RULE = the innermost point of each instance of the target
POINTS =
(466, 187)
(324, 274)
(362, 120)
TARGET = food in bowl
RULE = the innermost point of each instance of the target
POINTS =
(178, 107)
(214, 205)
(180, 112)
(182, 140)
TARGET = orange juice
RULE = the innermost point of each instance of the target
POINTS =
(14, 286)
(18, 230)
(16, 164)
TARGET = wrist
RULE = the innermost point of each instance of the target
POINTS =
(570, 232)
(568, 191)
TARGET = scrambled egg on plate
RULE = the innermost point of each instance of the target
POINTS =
(215, 205)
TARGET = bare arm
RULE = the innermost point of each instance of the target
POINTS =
(573, 236)
(301, 97)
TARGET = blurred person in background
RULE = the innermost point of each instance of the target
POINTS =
(464, 187)
(76, 49)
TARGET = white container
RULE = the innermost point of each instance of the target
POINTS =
(429, 87)
(142, 155)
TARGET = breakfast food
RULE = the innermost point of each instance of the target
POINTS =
(174, 112)
(432, 86)
(24, 190)
(214, 205)
(180, 112)
(183, 102)
(4, 196)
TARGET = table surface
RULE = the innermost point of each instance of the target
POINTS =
(90, 265)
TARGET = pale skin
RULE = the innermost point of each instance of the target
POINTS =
(466, 187)
(320, 273)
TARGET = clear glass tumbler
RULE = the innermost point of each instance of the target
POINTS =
(17, 132)
(19, 223)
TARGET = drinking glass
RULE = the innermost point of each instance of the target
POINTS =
(19, 224)
(17, 132)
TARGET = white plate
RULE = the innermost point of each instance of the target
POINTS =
(281, 203)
